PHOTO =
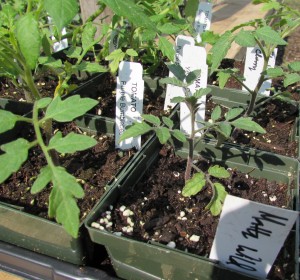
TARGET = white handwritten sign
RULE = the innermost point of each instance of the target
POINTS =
(250, 235)
(173, 91)
(203, 19)
(129, 102)
(61, 45)
(253, 68)
(194, 58)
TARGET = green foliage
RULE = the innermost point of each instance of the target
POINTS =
(65, 189)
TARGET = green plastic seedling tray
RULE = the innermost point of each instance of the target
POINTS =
(133, 259)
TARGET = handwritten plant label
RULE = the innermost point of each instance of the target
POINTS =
(61, 45)
(250, 235)
(203, 19)
(173, 91)
(129, 102)
(194, 58)
(114, 40)
(253, 68)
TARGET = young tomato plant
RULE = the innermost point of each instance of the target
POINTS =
(65, 190)
(267, 34)
(165, 129)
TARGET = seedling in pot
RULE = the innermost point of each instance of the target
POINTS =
(165, 129)
(266, 34)
(65, 190)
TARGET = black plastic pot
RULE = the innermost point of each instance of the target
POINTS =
(138, 260)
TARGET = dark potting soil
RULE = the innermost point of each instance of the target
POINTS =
(94, 168)
(162, 214)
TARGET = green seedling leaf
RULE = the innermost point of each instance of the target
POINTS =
(233, 113)
(43, 179)
(151, 119)
(61, 11)
(248, 124)
(88, 35)
(172, 81)
(166, 48)
(8, 120)
(177, 99)
(91, 67)
(179, 135)
(269, 35)
(192, 76)
(135, 130)
(218, 172)
(50, 62)
(68, 109)
(15, 155)
(29, 39)
(191, 8)
(177, 70)
(215, 205)
(71, 143)
(131, 52)
(223, 77)
(43, 103)
(225, 129)
(294, 66)
(202, 92)
(216, 113)
(148, 35)
(74, 52)
(291, 79)
(163, 134)
(169, 28)
(62, 202)
(168, 122)
(245, 38)
(220, 49)
(194, 185)
(275, 72)
(209, 37)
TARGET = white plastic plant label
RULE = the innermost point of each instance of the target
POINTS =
(194, 58)
(250, 235)
(173, 91)
(61, 45)
(203, 19)
(253, 68)
(129, 102)
(114, 40)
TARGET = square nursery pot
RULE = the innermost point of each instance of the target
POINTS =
(238, 98)
(134, 259)
(49, 238)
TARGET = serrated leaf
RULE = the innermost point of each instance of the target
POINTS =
(248, 124)
(294, 66)
(135, 130)
(275, 72)
(169, 28)
(131, 52)
(233, 113)
(71, 143)
(73, 52)
(269, 35)
(172, 81)
(220, 49)
(29, 39)
(245, 38)
(192, 76)
(163, 134)
(194, 185)
(201, 92)
(15, 155)
(225, 129)
(223, 77)
(215, 205)
(88, 35)
(177, 71)
(168, 122)
(216, 113)
(166, 48)
(191, 8)
(179, 135)
(44, 102)
(151, 119)
(148, 35)
(8, 120)
(177, 99)
(43, 179)
(91, 67)
(61, 11)
(50, 62)
(68, 109)
(218, 172)
(291, 79)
